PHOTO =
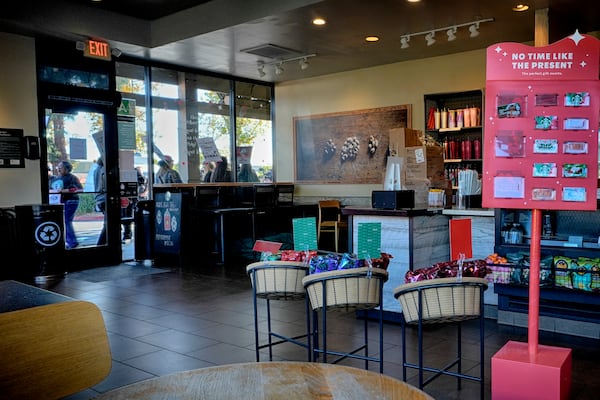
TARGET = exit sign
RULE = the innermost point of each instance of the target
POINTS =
(97, 49)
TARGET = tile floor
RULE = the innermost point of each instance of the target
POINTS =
(163, 320)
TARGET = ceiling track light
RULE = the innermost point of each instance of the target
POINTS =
(450, 32)
(279, 69)
(261, 70)
(302, 62)
(404, 42)
(429, 38)
(474, 30)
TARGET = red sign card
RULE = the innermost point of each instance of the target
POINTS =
(541, 125)
(460, 238)
(264, 246)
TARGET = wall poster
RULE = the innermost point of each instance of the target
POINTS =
(541, 125)
(347, 147)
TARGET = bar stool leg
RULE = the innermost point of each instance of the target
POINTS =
(269, 329)
(459, 355)
(366, 336)
(255, 319)
(308, 331)
(420, 338)
(403, 349)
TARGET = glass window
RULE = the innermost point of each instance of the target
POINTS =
(254, 138)
(189, 106)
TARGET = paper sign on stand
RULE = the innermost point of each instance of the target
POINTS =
(305, 233)
(264, 246)
(460, 238)
(369, 240)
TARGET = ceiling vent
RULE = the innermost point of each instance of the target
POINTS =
(272, 51)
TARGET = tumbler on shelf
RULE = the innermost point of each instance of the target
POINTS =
(467, 117)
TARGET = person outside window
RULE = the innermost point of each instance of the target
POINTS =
(208, 168)
(221, 173)
(100, 197)
(127, 212)
(247, 174)
(68, 185)
(166, 173)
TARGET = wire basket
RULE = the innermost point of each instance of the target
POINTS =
(278, 280)
(347, 289)
(443, 299)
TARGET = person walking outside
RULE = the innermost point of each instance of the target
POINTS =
(166, 173)
(68, 185)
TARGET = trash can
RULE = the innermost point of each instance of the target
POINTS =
(8, 239)
(143, 217)
(40, 230)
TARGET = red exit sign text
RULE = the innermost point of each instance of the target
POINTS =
(97, 49)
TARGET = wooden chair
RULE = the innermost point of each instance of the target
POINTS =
(52, 351)
(330, 220)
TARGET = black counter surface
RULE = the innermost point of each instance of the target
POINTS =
(17, 296)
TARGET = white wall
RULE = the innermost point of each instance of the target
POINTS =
(18, 110)
(384, 86)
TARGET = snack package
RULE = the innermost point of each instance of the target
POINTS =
(582, 276)
(562, 273)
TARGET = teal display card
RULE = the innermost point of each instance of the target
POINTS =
(369, 239)
(305, 233)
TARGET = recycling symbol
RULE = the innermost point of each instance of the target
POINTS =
(47, 234)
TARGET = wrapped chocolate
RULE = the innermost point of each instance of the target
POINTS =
(382, 262)
(294, 255)
(448, 269)
(324, 263)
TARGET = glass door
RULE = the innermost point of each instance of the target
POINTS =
(83, 177)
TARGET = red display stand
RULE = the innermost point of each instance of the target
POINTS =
(540, 153)
(517, 376)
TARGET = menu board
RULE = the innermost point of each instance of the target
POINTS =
(541, 125)
(11, 150)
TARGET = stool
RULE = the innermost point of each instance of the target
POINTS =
(437, 301)
(346, 290)
(278, 280)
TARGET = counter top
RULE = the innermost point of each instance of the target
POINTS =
(474, 212)
(405, 212)
(18, 296)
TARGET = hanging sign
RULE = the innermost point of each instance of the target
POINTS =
(541, 125)
(97, 49)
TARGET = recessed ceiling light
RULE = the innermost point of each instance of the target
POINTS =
(372, 38)
(413, 1)
(521, 7)
(318, 21)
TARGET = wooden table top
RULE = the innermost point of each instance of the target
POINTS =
(270, 380)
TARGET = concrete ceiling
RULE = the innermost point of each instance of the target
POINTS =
(214, 35)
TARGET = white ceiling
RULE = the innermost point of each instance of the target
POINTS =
(212, 35)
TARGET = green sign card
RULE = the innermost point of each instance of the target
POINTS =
(369, 239)
(305, 233)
